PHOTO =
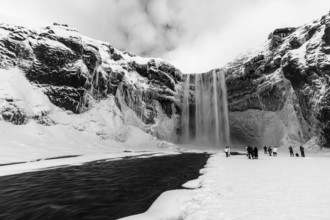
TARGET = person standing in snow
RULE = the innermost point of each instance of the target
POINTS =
(270, 151)
(265, 149)
(250, 152)
(291, 151)
(227, 151)
(275, 151)
(255, 152)
(302, 151)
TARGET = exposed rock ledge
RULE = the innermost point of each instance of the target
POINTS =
(77, 73)
(277, 94)
(281, 91)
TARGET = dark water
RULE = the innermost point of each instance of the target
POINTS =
(96, 190)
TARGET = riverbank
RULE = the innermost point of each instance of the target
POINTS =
(97, 190)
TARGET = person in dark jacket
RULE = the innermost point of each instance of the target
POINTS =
(302, 151)
(291, 151)
(250, 152)
(255, 152)
(270, 151)
(265, 149)
(227, 151)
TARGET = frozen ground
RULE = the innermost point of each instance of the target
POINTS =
(99, 133)
(32, 144)
(238, 188)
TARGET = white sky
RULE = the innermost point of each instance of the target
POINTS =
(194, 35)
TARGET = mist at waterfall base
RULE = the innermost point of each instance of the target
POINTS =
(205, 110)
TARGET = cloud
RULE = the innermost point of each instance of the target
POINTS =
(195, 35)
(246, 27)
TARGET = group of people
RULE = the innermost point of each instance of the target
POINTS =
(302, 152)
(252, 153)
(271, 151)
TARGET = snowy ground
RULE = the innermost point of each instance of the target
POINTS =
(32, 144)
(230, 188)
(238, 188)
(99, 133)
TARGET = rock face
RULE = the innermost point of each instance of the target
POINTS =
(280, 93)
(75, 72)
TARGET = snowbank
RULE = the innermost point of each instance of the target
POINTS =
(46, 131)
(166, 207)
(237, 188)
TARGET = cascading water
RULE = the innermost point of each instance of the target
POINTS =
(185, 111)
(205, 110)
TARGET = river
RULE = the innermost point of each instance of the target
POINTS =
(95, 190)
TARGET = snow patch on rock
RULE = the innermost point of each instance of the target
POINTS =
(103, 129)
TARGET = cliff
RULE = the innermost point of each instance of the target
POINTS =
(279, 93)
(81, 76)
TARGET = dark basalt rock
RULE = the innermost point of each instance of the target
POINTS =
(281, 32)
(167, 104)
(295, 66)
(72, 42)
(293, 69)
(53, 57)
(295, 43)
(42, 74)
(277, 35)
(66, 97)
(273, 97)
(71, 72)
(114, 54)
(161, 78)
(326, 36)
(91, 58)
(324, 116)
(142, 69)
(12, 113)
(172, 71)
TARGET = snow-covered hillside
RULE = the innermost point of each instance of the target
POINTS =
(46, 130)
(63, 90)
(279, 93)
(62, 93)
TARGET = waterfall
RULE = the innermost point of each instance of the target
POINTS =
(216, 107)
(185, 111)
(208, 102)
(225, 118)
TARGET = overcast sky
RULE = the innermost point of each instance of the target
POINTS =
(194, 35)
